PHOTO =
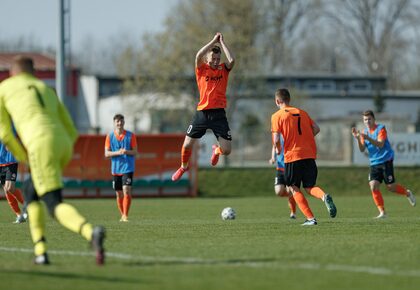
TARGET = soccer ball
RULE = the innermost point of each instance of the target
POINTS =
(228, 213)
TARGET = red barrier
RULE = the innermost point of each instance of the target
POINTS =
(89, 173)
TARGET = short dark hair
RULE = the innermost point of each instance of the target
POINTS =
(118, 117)
(24, 63)
(216, 49)
(369, 113)
(283, 94)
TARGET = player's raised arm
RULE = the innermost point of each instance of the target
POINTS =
(229, 55)
(199, 58)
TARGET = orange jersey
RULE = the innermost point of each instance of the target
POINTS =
(295, 126)
(212, 84)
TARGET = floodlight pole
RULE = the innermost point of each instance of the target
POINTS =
(60, 70)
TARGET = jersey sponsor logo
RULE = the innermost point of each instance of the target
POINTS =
(214, 79)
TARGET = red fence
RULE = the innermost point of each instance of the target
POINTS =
(89, 172)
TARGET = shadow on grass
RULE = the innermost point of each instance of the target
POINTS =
(73, 276)
(175, 262)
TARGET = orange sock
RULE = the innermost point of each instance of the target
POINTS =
(377, 198)
(292, 204)
(316, 192)
(120, 204)
(218, 151)
(18, 194)
(185, 156)
(126, 204)
(399, 189)
(303, 205)
(11, 199)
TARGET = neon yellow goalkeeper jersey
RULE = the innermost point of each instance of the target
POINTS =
(36, 113)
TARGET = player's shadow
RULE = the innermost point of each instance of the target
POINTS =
(72, 276)
(181, 261)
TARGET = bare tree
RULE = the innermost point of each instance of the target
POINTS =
(285, 24)
(374, 30)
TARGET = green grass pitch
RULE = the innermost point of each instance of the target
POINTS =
(184, 244)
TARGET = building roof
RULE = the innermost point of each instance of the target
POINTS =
(41, 62)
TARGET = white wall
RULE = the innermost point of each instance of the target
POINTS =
(88, 100)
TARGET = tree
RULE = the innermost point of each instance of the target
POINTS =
(285, 24)
(374, 30)
(379, 102)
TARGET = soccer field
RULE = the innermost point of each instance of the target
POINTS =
(184, 244)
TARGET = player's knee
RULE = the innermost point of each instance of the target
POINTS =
(9, 187)
(280, 190)
(373, 185)
(188, 142)
(226, 151)
(119, 193)
(52, 199)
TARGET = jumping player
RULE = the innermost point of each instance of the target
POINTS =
(121, 147)
(212, 79)
(381, 156)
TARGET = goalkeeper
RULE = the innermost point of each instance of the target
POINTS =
(47, 134)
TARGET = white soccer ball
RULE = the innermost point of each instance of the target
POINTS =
(228, 213)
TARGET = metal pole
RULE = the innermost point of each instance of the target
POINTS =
(60, 72)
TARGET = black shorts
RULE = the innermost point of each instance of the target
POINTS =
(8, 172)
(213, 119)
(120, 180)
(302, 172)
(279, 179)
(383, 172)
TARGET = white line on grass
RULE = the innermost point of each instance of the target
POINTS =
(238, 262)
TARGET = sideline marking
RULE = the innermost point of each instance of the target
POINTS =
(245, 263)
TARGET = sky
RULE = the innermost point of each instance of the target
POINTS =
(101, 19)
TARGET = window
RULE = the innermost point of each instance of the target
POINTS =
(360, 86)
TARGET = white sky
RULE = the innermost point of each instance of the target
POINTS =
(37, 19)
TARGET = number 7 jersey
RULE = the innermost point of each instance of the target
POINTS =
(296, 127)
